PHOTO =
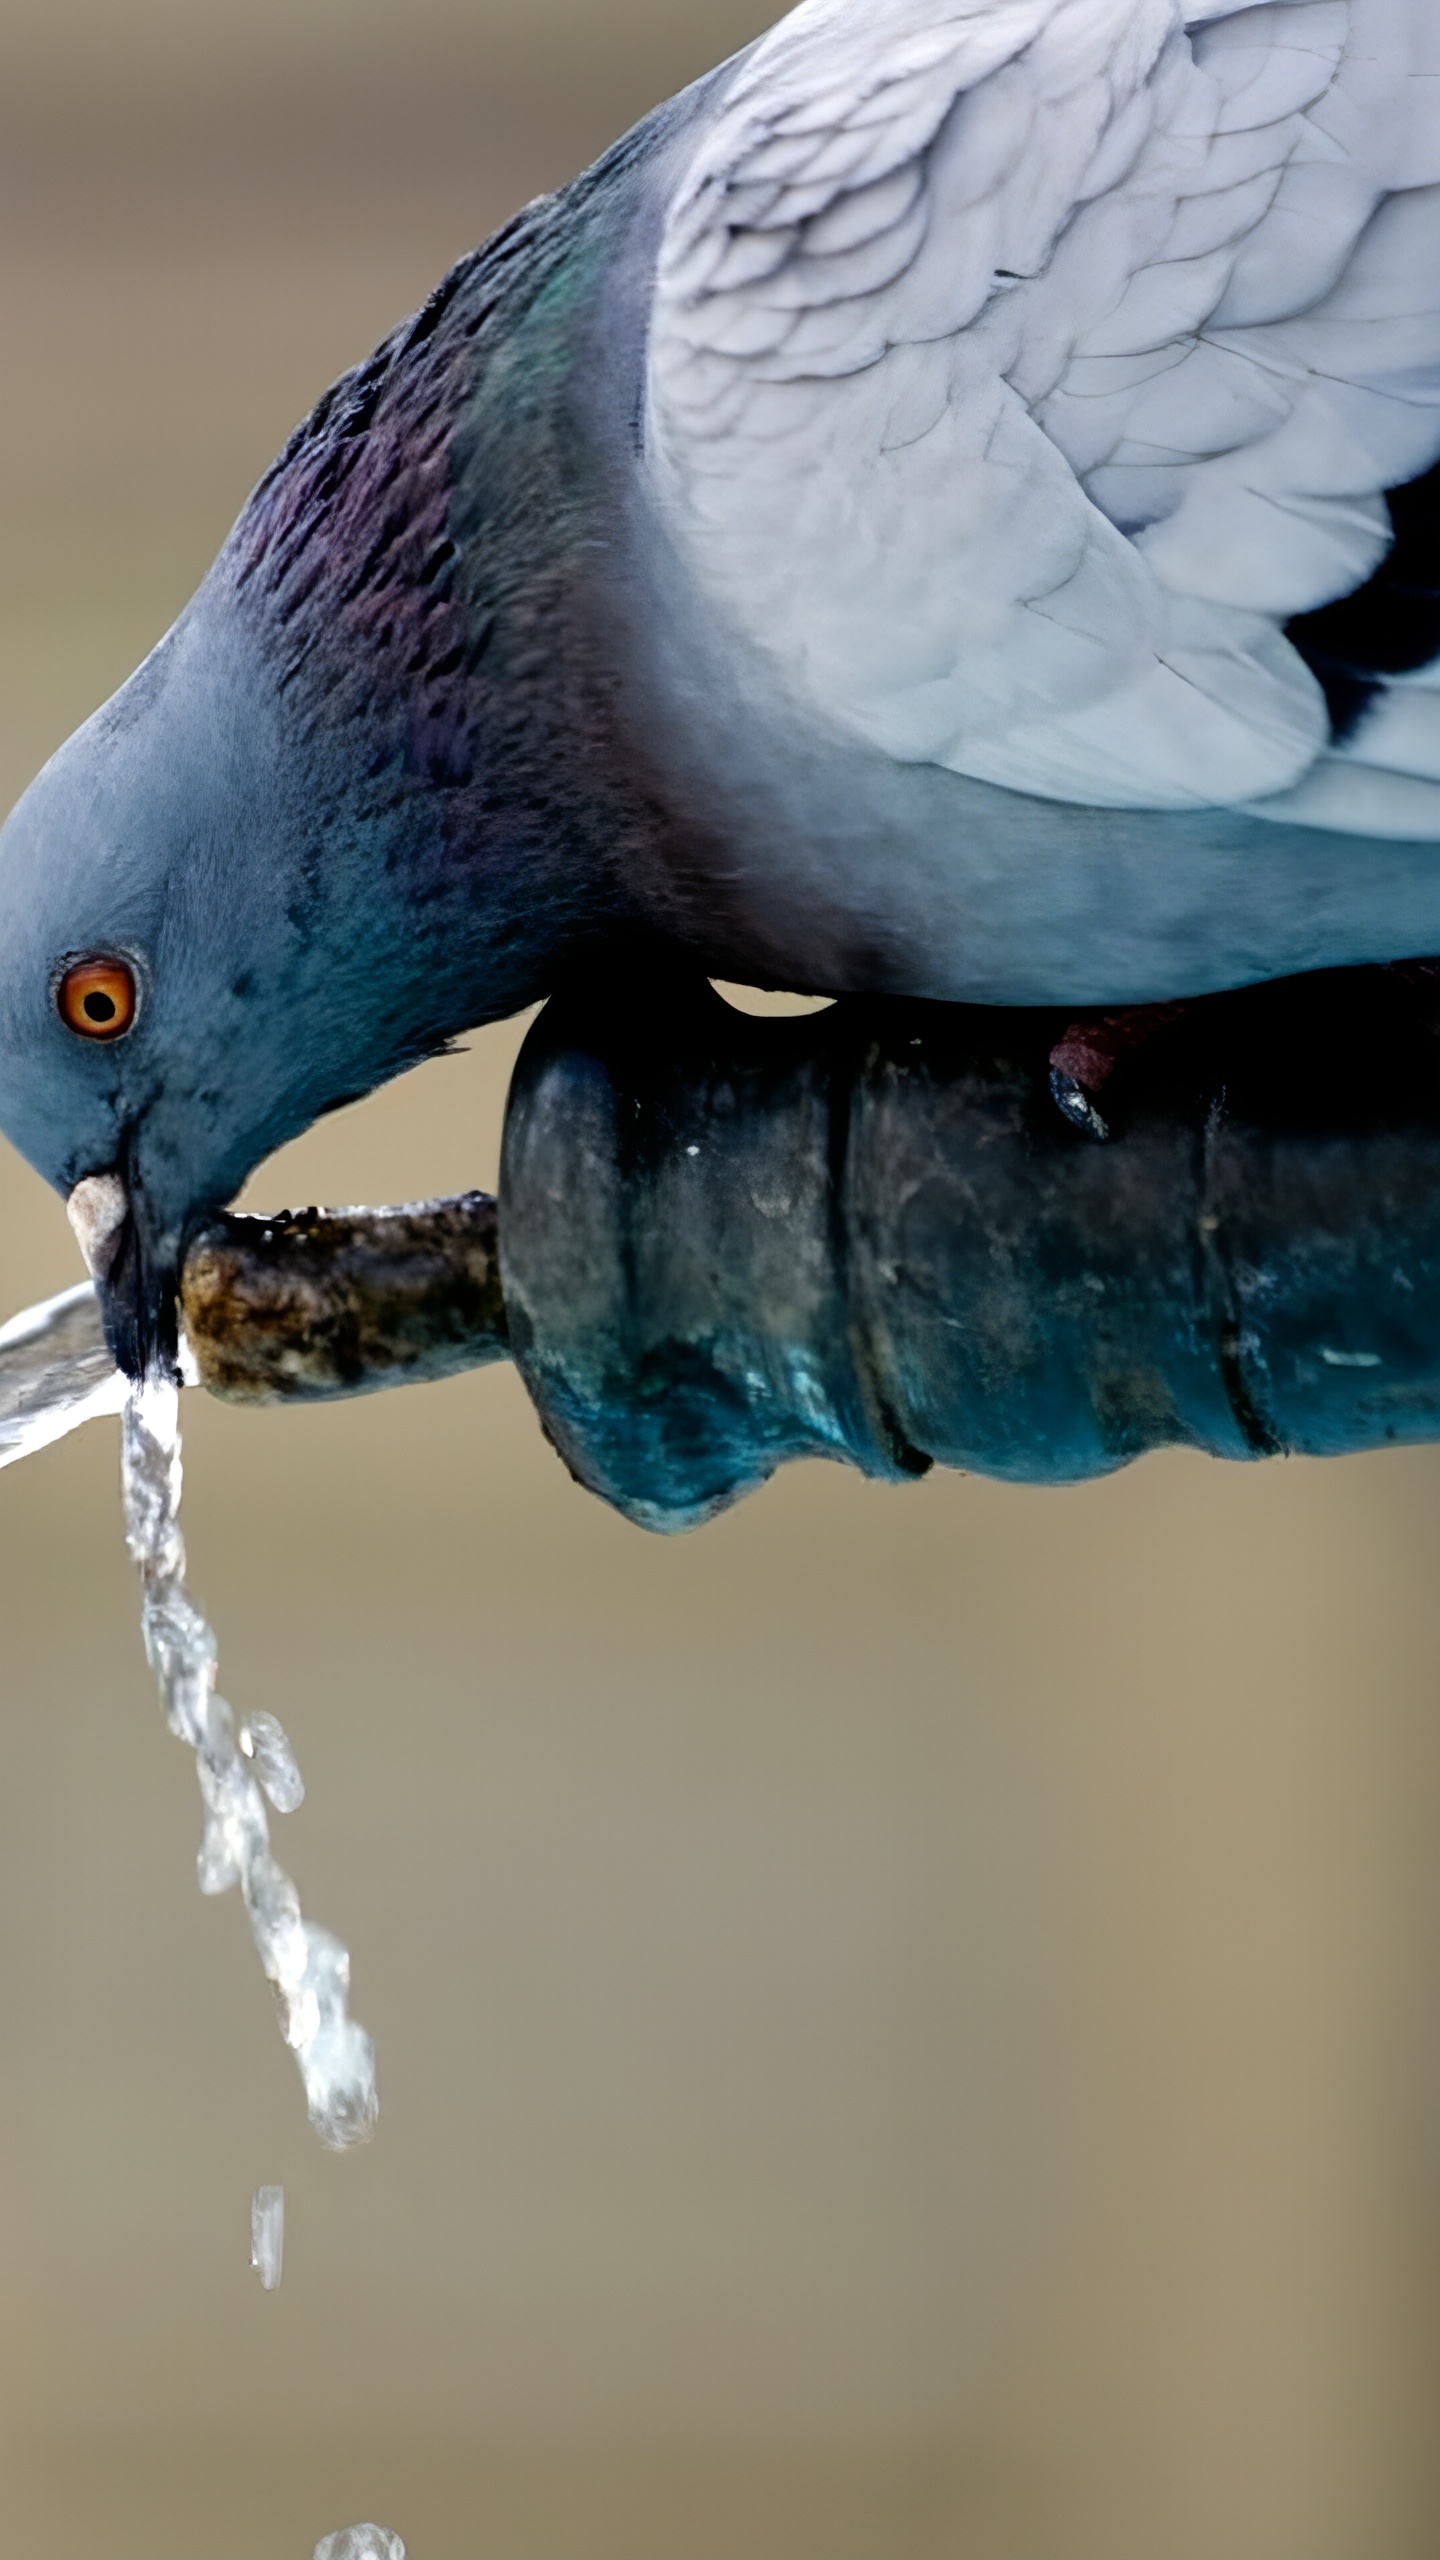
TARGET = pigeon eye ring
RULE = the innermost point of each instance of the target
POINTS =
(98, 995)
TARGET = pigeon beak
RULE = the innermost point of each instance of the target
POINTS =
(137, 1295)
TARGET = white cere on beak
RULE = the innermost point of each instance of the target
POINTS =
(97, 1210)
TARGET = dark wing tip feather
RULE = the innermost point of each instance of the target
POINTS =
(1388, 627)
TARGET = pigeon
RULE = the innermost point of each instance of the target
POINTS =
(949, 506)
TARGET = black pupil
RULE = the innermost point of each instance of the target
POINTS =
(99, 1007)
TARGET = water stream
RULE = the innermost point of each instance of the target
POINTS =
(307, 1968)
(55, 1373)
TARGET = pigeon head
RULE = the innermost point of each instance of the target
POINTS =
(353, 804)
(184, 982)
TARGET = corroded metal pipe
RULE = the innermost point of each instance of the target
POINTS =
(316, 1303)
(300, 1306)
(869, 1235)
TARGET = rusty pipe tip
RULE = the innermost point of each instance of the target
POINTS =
(315, 1303)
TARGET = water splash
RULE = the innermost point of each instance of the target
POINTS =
(55, 1372)
(308, 1969)
(361, 2542)
(267, 2235)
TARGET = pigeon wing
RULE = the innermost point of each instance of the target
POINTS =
(1019, 370)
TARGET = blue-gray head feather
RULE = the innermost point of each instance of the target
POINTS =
(363, 795)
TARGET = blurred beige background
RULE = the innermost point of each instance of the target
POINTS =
(909, 2020)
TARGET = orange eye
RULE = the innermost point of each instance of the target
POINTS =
(97, 997)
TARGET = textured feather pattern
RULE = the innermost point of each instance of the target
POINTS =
(1024, 373)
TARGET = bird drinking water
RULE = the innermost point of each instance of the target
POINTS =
(947, 507)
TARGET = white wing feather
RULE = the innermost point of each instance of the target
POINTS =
(1018, 368)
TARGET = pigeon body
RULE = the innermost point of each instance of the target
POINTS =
(949, 506)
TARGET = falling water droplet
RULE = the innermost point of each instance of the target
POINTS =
(361, 2542)
(267, 2235)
